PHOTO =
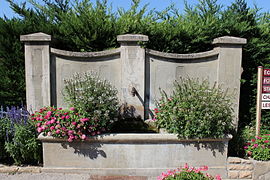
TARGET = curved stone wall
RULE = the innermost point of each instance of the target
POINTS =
(136, 72)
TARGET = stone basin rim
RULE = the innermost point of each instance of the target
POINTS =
(136, 137)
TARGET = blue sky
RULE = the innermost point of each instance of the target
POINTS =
(157, 4)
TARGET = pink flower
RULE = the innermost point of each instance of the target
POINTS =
(84, 119)
(266, 141)
(60, 108)
(83, 137)
(49, 133)
(67, 117)
(63, 117)
(245, 147)
(253, 140)
(57, 126)
(49, 113)
(74, 123)
(57, 131)
(38, 124)
(70, 132)
(39, 129)
(98, 132)
(52, 121)
(218, 177)
(52, 128)
(258, 137)
(72, 108)
(255, 145)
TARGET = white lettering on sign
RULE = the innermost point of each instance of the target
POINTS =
(265, 105)
(266, 89)
(266, 80)
(266, 72)
(265, 97)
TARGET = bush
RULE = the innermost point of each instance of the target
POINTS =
(24, 147)
(258, 148)
(63, 123)
(93, 98)
(18, 139)
(195, 110)
(187, 173)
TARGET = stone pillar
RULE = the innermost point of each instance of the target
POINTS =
(229, 67)
(133, 74)
(37, 70)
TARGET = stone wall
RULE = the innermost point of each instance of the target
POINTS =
(129, 68)
(248, 169)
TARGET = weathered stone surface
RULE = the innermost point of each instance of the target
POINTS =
(230, 40)
(118, 178)
(233, 174)
(132, 38)
(245, 174)
(134, 155)
(240, 167)
(36, 37)
(261, 169)
(129, 68)
(234, 160)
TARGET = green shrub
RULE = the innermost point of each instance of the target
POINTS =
(93, 98)
(195, 110)
(258, 147)
(5, 132)
(24, 148)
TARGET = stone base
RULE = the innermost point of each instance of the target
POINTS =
(133, 154)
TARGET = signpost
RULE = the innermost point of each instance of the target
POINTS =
(263, 95)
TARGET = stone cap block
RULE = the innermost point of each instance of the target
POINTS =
(132, 38)
(37, 37)
(230, 40)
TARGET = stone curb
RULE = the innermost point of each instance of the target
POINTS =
(16, 169)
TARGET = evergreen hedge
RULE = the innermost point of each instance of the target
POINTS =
(93, 26)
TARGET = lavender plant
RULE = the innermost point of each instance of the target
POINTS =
(18, 140)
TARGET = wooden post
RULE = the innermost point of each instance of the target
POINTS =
(259, 100)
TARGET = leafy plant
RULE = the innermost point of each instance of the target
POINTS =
(195, 110)
(63, 123)
(187, 173)
(18, 140)
(24, 147)
(258, 147)
(93, 98)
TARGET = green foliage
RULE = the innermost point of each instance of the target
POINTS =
(94, 98)
(5, 132)
(258, 147)
(92, 26)
(24, 147)
(195, 110)
(18, 143)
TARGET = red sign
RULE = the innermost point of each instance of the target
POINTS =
(266, 80)
(266, 89)
(266, 72)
